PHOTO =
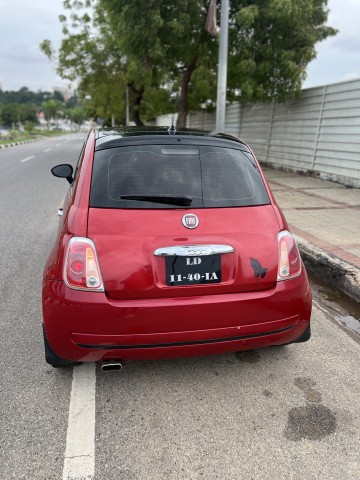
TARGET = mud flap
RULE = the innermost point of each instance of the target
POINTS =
(53, 359)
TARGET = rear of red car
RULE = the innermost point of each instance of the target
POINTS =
(171, 246)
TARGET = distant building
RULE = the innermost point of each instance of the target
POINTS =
(66, 92)
(41, 120)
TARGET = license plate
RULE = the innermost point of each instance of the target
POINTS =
(193, 270)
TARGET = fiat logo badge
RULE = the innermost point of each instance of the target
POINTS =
(190, 220)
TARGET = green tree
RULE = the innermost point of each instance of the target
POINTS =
(29, 127)
(271, 43)
(160, 50)
(25, 96)
(76, 115)
(164, 45)
(89, 55)
(58, 96)
(73, 101)
(51, 108)
(17, 113)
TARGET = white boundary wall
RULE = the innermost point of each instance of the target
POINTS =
(318, 133)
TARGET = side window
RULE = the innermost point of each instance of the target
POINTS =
(73, 185)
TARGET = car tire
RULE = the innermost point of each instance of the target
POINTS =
(53, 359)
(304, 337)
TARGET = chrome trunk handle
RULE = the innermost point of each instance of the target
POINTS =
(192, 250)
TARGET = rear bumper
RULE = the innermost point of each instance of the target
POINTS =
(88, 326)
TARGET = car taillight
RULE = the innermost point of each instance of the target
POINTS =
(289, 257)
(81, 269)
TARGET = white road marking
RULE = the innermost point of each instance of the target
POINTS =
(58, 144)
(79, 461)
(47, 150)
(26, 159)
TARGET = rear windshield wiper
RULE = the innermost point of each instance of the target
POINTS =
(166, 199)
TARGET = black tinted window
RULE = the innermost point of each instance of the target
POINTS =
(209, 176)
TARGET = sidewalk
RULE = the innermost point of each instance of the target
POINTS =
(14, 144)
(325, 218)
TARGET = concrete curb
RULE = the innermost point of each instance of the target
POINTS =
(7, 145)
(338, 273)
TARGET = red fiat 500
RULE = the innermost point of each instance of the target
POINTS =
(170, 245)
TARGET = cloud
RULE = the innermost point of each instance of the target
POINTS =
(23, 26)
(350, 76)
(347, 44)
(22, 54)
(338, 57)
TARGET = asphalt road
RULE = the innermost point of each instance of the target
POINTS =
(278, 413)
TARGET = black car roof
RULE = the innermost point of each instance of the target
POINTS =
(120, 136)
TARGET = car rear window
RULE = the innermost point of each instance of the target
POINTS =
(209, 176)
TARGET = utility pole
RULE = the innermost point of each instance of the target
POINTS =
(222, 67)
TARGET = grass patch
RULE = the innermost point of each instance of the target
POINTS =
(23, 137)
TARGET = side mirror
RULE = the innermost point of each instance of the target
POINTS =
(63, 171)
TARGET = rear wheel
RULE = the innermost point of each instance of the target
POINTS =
(304, 337)
(53, 359)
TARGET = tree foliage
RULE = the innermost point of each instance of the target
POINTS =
(51, 109)
(164, 45)
(89, 55)
(159, 50)
(24, 96)
(76, 115)
(16, 113)
(21, 106)
(271, 43)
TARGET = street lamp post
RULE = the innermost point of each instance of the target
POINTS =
(222, 67)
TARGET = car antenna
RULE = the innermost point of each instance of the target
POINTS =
(172, 129)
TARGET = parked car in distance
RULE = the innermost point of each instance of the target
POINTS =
(170, 244)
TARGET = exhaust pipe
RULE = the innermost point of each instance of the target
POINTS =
(111, 365)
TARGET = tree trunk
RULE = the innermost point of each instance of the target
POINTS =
(183, 100)
(135, 104)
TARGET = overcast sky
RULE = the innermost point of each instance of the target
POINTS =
(25, 23)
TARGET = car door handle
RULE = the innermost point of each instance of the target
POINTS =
(60, 212)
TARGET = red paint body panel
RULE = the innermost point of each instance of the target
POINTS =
(73, 318)
(126, 250)
(139, 316)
